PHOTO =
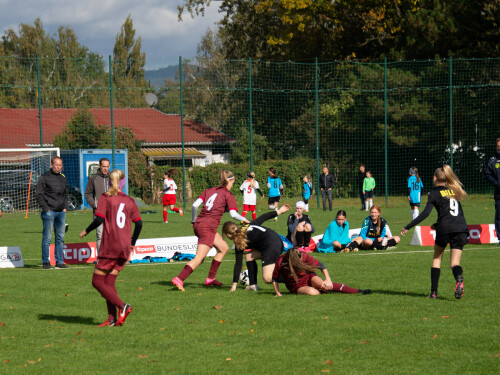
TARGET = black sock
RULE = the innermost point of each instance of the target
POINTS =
(391, 242)
(299, 237)
(353, 245)
(307, 238)
(378, 245)
(435, 273)
(252, 272)
(342, 247)
(458, 273)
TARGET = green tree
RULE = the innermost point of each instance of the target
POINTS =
(80, 132)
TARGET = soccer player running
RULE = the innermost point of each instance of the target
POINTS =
(297, 269)
(117, 211)
(169, 188)
(415, 187)
(249, 188)
(264, 243)
(451, 227)
(216, 201)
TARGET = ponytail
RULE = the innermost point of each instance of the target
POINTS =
(115, 179)
(239, 235)
(295, 263)
(379, 220)
(447, 177)
(414, 171)
(224, 177)
(251, 175)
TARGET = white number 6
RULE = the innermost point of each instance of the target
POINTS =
(120, 216)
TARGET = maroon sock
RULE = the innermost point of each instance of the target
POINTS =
(213, 269)
(254, 215)
(164, 215)
(110, 281)
(108, 293)
(186, 271)
(175, 209)
(342, 288)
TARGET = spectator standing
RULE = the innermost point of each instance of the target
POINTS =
(368, 188)
(361, 179)
(326, 183)
(307, 189)
(97, 185)
(492, 174)
(52, 196)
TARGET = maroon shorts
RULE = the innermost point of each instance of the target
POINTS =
(205, 234)
(110, 264)
(249, 207)
(303, 281)
(168, 199)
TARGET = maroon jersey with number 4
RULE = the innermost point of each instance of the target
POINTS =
(216, 201)
(118, 212)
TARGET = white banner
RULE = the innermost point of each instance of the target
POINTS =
(11, 257)
(166, 247)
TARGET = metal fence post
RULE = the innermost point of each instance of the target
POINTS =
(385, 136)
(111, 112)
(182, 135)
(451, 111)
(250, 118)
(316, 105)
(39, 99)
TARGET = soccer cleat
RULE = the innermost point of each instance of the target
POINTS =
(66, 228)
(178, 283)
(459, 288)
(253, 288)
(108, 323)
(165, 222)
(433, 295)
(364, 291)
(46, 266)
(61, 266)
(212, 282)
(181, 212)
(124, 311)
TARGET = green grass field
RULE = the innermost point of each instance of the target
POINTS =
(48, 318)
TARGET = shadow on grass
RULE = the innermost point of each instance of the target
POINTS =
(398, 293)
(70, 319)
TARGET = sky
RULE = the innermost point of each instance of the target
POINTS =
(97, 22)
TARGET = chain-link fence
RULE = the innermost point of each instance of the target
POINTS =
(253, 114)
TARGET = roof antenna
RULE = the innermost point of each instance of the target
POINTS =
(151, 99)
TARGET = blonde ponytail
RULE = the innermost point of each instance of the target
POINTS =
(114, 178)
(447, 177)
(225, 176)
(238, 234)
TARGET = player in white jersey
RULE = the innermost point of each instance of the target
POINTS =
(249, 189)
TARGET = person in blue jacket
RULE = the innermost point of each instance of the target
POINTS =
(336, 237)
(306, 192)
(415, 187)
(373, 233)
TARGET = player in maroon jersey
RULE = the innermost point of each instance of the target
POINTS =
(296, 268)
(215, 201)
(117, 211)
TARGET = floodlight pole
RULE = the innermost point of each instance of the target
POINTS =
(111, 110)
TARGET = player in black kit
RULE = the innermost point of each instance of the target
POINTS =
(451, 227)
(262, 243)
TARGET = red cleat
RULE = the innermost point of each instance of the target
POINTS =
(108, 323)
(124, 311)
(212, 282)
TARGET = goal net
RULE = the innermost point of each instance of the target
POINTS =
(19, 173)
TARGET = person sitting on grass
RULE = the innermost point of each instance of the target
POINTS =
(299, 226)
(373, 234)
(297, 269)
(336, 237)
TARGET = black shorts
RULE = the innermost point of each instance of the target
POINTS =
(273, 200)
(271, 252)
(414, 204)
(369, 194)
(456, 240)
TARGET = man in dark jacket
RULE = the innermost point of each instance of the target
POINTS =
(97, 185)
(52, 196)
(326, 183)
(361, 179)
(492, 174)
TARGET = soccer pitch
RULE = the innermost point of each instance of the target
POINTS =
(48, 318)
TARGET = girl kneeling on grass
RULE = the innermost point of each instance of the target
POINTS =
(372, 234)
(297, 268)
(116, 210)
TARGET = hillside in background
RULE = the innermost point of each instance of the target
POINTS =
(157, 77)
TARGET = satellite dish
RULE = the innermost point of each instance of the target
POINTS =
(151, 99)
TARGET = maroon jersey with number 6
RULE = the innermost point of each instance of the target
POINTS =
(216, 201)
(118, 212)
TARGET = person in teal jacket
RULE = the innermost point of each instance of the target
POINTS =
(336, 236)
(368, 188)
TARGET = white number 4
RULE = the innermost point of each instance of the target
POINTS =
(120, 216)
(210, 202)
(454, 205)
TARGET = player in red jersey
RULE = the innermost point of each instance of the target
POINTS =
(297, 270)
(117, 211)
(215, 201)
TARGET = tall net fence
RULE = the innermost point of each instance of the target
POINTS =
(253, 114)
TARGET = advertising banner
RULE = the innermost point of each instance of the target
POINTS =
(11, 257)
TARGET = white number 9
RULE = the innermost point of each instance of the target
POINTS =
(454, 206)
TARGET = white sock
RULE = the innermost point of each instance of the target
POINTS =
(306, 208)
(371, 203)
(415, 213)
